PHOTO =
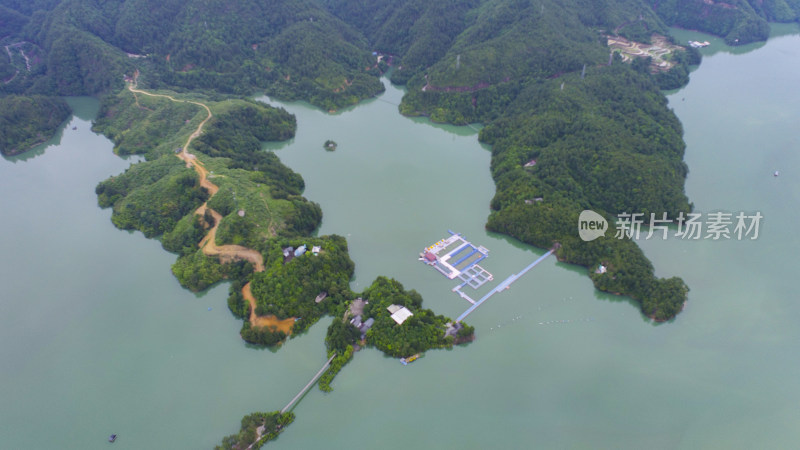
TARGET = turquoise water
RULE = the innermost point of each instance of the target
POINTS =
(98, 337)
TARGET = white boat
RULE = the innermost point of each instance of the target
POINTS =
(697, 44)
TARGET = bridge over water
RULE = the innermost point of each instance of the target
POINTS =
(504, 285)
(310, 383)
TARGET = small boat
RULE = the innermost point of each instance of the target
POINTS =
(777, 173)
(411, 358)
(112, 438)
(697, 44)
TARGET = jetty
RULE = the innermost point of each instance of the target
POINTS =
(308, 386)
(501, 287)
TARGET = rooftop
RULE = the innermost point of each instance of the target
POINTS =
(400, 314)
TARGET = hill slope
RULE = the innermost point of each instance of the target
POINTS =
(294, 49)
(738, 21)
(569, 131)
(516, 65)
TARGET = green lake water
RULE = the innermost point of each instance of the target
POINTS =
(97, 337)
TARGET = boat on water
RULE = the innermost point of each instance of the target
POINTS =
(112, 438)
(411, 358)
(697, 44)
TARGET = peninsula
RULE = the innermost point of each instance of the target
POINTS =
(232, 212)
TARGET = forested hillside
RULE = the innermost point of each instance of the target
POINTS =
(603, 140)
(259, 197)
(738, 21)
(27, 121)
(469, 44)
(570, 128)
(606, 143)
(320, 50)
(293, 49)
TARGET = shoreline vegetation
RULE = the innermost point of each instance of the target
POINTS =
(256, 430)
(571, 127)
(26, 122)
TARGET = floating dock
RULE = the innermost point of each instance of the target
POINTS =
(502, 286)
(456, 257)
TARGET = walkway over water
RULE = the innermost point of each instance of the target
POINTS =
(310, 383)
(504, 285)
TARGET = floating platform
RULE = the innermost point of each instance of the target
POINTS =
(454, 256)
(475, 276)
(457, 258)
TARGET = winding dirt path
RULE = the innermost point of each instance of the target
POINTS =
(226, 253)
(11, 61)
(284, 325)
(12, 78)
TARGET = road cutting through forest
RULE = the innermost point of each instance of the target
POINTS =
(225, 253)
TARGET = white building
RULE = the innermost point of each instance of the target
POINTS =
(399, 313)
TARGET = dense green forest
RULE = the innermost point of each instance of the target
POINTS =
(197, 271)
(288, 288)
(420, 332)
(28, 121)
(738, 21)
(320, 50)
(466, 45)
(288, 48)
(153, 196)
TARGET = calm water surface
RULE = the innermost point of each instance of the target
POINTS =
(96, 336)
